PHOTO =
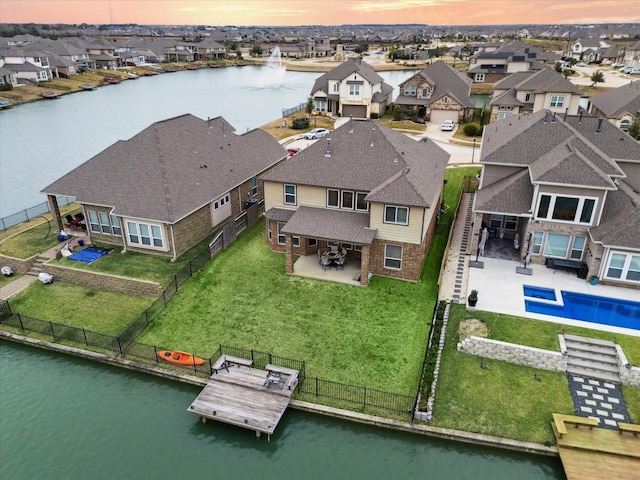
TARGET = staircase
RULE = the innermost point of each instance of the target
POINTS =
(592, 358)
(36, 268)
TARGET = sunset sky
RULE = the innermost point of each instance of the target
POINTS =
(319, 12)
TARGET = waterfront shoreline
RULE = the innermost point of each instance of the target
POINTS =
(426, 430)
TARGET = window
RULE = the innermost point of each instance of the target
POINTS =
(503, 115)
(320, 105)
(145, 234)
(479, 77)
(566, 209)
(624, 125)
(221, 202)
(313, 242)
(505, 107)
(347, 200)
(536, 239)
(254, 185)
(361, 204)
(269, 230)
(105, 227)
(426, 93)
(410, 90)
(510, 222)
(289, 194)
(557, 101)
(357, 248)
(281, 237)
(495, 221)
(333, 198)
(346, 246)
(393, 256)
(336, 87)
(527, 97)
(93, 221)
(296, 241)
(397, 215)
(115, 225)
(445, 100)
(354, 90)
(557, 245)
(624, 266)
(578, 248)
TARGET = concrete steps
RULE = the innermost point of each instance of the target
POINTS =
(37, 268)
(592, 358)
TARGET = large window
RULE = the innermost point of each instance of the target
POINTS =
(289, 194)
(93, 221)
(536, 240)
(281, 236)
(624, 266)
(556, 245)
(566, 209)
(557, 101)
(105, 223)
(397, 215)
(354, 90)
(479, 77)
(346, 199)
(409, 91)
(320, 105)
(393, 256)
(145, 234)
(577, 249)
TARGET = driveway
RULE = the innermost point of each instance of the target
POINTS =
(612, 78)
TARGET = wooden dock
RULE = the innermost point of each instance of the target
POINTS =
(244, 396)
(588, 452)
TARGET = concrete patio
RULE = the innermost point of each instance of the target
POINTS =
(308, 267)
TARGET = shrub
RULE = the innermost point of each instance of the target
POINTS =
(6, 87)
(397, 113)
(300, 123)
(374, 115)
(472, 130)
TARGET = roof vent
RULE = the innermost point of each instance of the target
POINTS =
(553, 119)
(599, 129)
(328, 154)
(350, 123)
(223, 134)
(580, 119)
(372, 143)
(545, 117)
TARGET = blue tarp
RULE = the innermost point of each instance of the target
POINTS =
(89, 254)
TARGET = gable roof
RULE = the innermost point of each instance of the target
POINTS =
(345, 69)
(617, 102)
(445, 80)
(170, 169)
(366, 156)
(620, 224)
(546, 80)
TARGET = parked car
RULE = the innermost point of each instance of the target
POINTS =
(634, 71)
(597, 62)
(316, 133)
(448, 125)
(617, 65)
(291, 151)
(626, 69)
(580, 64)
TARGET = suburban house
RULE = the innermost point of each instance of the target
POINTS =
(169, 186)
(568, 187)
(529, 92)
(588, 49)
(352, 89)
(632, 55)
(367, 189)
(438, 93)
(620, 106)
(27, 67)
(492, 66)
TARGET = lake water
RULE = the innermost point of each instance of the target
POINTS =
(43, 140)
(66, 418)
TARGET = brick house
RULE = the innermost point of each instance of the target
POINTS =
(354, 89)
(528, 92)
(169, 186)
(620, 106)
(568, 186)
(438, 93)
(368, 189)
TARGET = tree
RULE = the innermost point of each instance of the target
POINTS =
(310, 105)
(256, 50)
(634, 129)
(558, 67)
(597, 77)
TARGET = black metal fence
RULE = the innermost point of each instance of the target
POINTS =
(470, 184)
(31, 213)
(288, 111)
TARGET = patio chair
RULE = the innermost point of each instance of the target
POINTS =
(334, 248)
(325, 262)
(319, 252)
(340, 262)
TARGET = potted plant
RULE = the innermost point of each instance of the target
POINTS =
(472, 299)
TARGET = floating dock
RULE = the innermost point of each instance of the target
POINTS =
(247, 397)
(591, 453)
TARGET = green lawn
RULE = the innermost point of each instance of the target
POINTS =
(96, 310)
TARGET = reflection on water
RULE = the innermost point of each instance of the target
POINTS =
(66, 418)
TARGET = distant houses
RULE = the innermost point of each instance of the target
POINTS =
(620, 106)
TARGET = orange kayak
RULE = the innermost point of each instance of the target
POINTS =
(180, 358)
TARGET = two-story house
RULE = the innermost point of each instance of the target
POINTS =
(491, 67)
(438, 93)
(620, 106)
(168, 187)
(528, 92)
(26, 66)
(367, 189)
(568, 187)
(588, 49)
(209, 49)
(352, 89)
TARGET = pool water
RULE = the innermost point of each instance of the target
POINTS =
(539, 292)
(591, 308)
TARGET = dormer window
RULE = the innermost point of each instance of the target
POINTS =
(527, 97)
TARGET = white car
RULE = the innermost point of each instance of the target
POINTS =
(448, 125)
(316, 133)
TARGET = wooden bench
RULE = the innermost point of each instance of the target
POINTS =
(561, 420)
(292, 374)
(225, 361)
(629, 427)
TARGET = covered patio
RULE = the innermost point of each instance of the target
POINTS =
(341, 229)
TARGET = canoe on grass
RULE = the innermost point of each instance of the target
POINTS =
(180, 358)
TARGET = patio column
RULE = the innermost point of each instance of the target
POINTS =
(288, 242)
(55, 212)
(364, 265)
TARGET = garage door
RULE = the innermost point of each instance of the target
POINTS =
(357, 111)
(439, 116)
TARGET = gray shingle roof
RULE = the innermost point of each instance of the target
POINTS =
(546, 80)
(339, 225)
(617, 102)
(170, 169)
(620, 224)
(345, 69)
(366, 156)
(509, 196)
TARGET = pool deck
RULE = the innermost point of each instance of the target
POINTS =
(500, 291)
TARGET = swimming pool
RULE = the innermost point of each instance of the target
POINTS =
(539, 292)
(590, 308)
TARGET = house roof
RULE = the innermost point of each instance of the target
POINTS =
(546, 80)
(341, 225)
(510, 195)
(615, 103)
(620, 224)
(345, 69)
(366, 156)
(445, 80)
(606, 137)
(170, 169)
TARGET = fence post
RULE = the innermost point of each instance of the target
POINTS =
(155, 354)
(53, 333)
(364, 399)
(84, 333)
(175, 280)
(20, 320)
(119, 345)
(190, 270)
(316, 386)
